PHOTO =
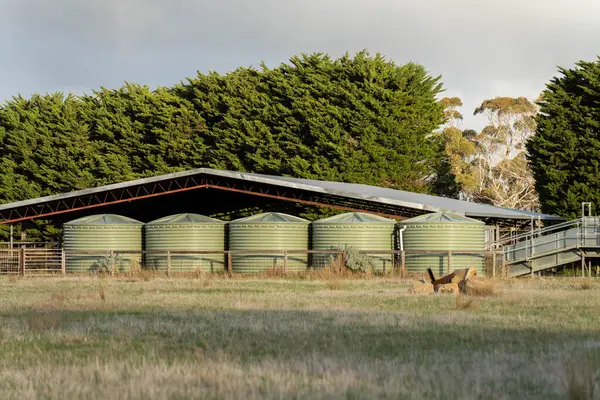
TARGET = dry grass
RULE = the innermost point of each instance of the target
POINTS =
(464, 303)
(213, 336)
(147, 275)
(273, 272)
(480, 287)
(335, 285)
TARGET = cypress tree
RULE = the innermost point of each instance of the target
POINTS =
(564, 152)
(356, 119)
(138, 132)
(45, 147)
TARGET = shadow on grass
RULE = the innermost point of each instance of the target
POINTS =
(379, 345)
(249, 334)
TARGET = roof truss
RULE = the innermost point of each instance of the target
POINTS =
(251, 184)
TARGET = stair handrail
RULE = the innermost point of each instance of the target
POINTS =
(538, 232)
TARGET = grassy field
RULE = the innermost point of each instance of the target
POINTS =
(295, 338)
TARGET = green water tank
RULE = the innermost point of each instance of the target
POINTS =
(444, 232)
(268, 231)
(185, 232)
(102, 232)
(360, 231)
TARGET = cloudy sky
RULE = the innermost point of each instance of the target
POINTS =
(482, 48)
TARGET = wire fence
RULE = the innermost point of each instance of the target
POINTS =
(56, 261)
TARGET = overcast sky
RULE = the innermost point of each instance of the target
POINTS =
(482, 48)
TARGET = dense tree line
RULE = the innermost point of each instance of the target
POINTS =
(359, 119)
(564, 154)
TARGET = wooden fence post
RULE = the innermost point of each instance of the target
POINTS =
(285, 261)
(494, 256)
(63, 262)
(449, 261)
(168, 262)
(22, 261)
(229, 261)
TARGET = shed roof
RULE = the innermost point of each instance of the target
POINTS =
(417, 201)
(348, 196)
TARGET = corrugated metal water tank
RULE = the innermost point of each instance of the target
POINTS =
(268, 231)
(102, 232)
(185, 232)
(444, 232)
(361, 231)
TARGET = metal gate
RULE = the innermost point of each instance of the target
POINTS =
(10, 262)
(31, 262)
(42, 261)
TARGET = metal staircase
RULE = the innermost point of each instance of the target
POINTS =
(553, 246)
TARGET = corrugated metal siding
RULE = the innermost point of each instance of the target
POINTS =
(281, 235)
(443, 237)
(102, 237)
(186, 237)
(328, 234)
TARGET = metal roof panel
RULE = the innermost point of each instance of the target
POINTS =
(415, 201)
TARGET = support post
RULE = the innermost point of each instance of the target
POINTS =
(449, 261)
(168, 262)
(112, 263)
(402, 263)
(285, 261)
(22, 261)
(532, 223)
(229, 261)
(531, 247)
(531, 268)
(582, 265)
(63, 262)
